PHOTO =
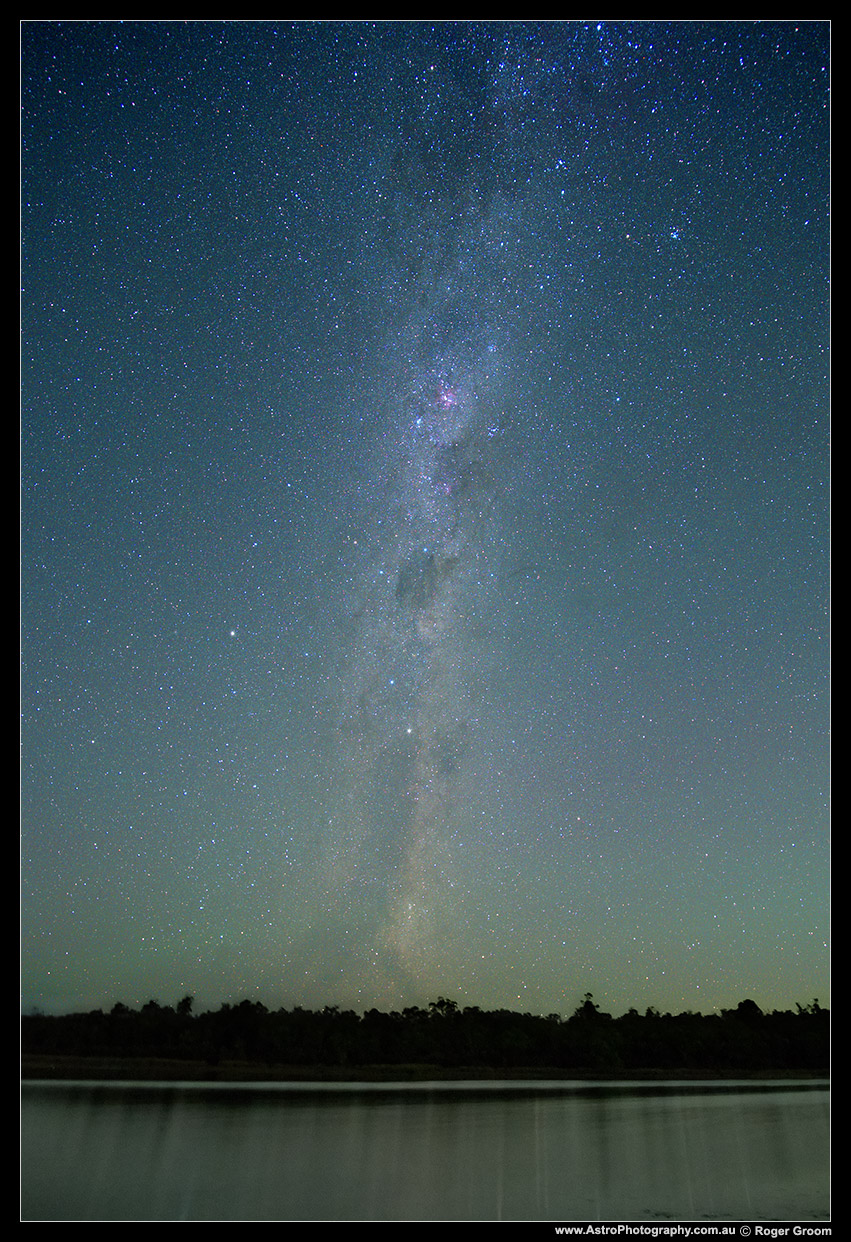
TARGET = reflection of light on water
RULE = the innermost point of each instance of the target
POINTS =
(462, 1151)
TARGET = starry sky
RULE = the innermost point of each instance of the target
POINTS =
(425, 514)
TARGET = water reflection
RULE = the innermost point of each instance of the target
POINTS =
(461, 1151)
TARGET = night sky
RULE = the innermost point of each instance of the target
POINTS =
(425, 514)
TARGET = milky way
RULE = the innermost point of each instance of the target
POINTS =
(430, 569)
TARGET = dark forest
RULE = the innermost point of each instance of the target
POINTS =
(443, 1037)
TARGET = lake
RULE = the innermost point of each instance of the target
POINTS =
(478, 1151)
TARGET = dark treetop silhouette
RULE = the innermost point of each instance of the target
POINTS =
(445, 1036)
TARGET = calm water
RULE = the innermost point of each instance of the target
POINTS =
(461, 1151)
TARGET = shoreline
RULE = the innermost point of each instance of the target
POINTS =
(128, 1069)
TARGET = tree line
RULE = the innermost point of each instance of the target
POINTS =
(443, 1035)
